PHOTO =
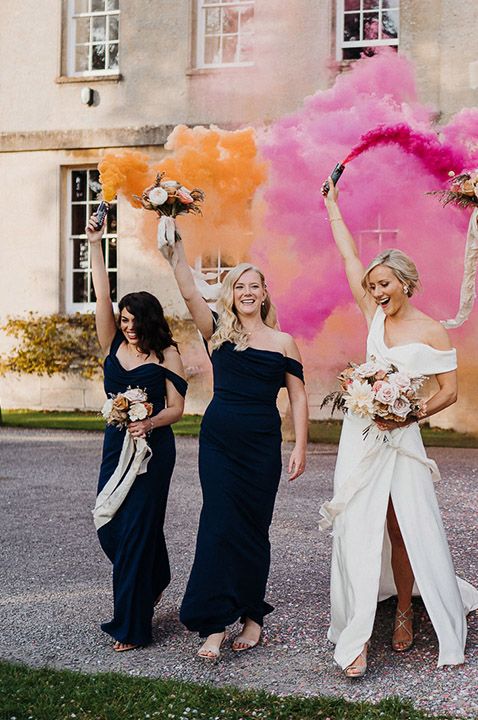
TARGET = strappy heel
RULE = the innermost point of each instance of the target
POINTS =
(400, 619)
(211, 652)
(358, 669)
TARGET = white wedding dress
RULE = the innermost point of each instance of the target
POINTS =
(367, 473)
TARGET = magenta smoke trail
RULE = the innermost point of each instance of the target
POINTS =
(437, 158)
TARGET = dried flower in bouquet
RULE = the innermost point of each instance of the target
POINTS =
(372, 391)
(462, 190)
(123, 408)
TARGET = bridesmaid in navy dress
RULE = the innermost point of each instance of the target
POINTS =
(140, 353)
(239, 454)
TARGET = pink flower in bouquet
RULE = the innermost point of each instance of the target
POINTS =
(185, 196)
(401, 407)
(387, 394)
(468, 188)
(135, 395)
(377, 385)
(381, 375)
(400, 380)
(367, 369)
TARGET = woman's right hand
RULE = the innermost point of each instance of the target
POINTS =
(331, 197)
(92, 233)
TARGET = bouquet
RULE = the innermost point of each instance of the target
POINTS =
(373, 391)
(168, 198)
(462, 191)
(126, 407)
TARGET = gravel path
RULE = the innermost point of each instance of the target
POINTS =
(55, 581)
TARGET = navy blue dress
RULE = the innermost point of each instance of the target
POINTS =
(134, 540)
(239, 467)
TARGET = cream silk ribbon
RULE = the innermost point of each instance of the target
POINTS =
(467, 291)
(360, 478)
(133, 461)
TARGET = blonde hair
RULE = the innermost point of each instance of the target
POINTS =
(400, 264)
(229, 328)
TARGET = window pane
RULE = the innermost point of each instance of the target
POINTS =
(81, 6)
(99, 29)
(246, 53)
(112, 4)
(113, 27)
(246, 19)
(113, 277)
(371, 4)
(80, 254)
(230, 20)
(80, 287)
(113, 57)
(213, 21)
(94, 185)
(212, 52)
(390, 24)
(97, 5)
(78, 185)
(370, 26)
(81, 58)
(82, 30)
(352, 27)
(112, 224)
(113, 255)
(393, 4)
(98, 60)
(78, 219)
(229, 49)
(352, 5)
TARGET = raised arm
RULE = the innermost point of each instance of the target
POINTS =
(348, 250)
(198, 307)
(105, 319)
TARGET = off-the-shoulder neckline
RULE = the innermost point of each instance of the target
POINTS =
(409, 344)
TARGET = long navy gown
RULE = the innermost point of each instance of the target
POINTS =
(134, 540)
(239, 467)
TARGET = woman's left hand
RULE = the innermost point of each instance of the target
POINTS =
(296, 463)
(139, 429)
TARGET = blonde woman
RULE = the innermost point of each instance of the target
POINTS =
(239, 454)
(388, 533)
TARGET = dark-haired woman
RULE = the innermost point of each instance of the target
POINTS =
(140, 353)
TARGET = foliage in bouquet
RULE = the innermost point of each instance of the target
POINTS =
(370, 390)
(170, 198)
(124, 408)
(462, 190)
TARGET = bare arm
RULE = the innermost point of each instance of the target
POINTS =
(300, 415)
(105, 319)
(348, 250)
(197, 306)
(174, 400)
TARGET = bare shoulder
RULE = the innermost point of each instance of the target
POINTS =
(290, 346)
(172, 361)
(438, 336)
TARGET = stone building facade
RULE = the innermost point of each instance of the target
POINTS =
(97, 75)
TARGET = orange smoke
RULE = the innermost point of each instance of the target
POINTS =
(224, 164)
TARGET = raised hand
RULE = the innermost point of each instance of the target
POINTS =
(92, 233)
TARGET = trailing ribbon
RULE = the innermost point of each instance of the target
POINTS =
(360, 478)
(468, 284)
(133, 461)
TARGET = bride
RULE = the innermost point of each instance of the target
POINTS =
(388, 533)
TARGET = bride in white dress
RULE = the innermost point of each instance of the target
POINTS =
(388, 533)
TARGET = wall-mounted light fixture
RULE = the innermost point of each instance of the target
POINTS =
(87, 96)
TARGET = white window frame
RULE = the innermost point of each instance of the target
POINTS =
(71, 43)
(70, 305)
(381, 42)
(218, 270)
(201, 7)
(381, 236)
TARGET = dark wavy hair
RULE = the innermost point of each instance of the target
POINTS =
(150, 325)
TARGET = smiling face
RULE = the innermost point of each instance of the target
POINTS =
(386, 289)
(249, 293)
(127, 327)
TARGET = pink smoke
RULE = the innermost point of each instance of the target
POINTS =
(386, 187)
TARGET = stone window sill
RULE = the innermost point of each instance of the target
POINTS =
(64, 79)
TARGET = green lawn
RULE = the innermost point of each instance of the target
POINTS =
(32, 694)
(320, 431)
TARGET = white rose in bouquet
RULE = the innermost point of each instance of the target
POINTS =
(107, 408)
(400, 379)
(135, 395)
(137, 412)
(401, 407)
(387, 393)
(157, 196)
(367, 369)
